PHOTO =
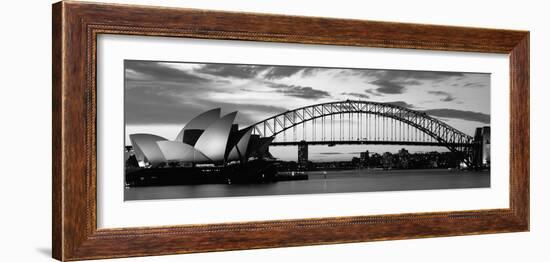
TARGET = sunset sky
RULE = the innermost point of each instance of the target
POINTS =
(161, 97)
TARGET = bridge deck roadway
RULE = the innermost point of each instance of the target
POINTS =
(366, 142)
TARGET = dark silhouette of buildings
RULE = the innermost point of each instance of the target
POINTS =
(403, 158)
(387, 160)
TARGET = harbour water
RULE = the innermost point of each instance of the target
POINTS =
(321, 182)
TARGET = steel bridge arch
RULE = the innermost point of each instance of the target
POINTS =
(453, 139)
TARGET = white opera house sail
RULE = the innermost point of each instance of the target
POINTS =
(209, 138)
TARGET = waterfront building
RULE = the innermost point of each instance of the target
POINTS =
(206, 139)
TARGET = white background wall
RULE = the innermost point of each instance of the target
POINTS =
(25, 147)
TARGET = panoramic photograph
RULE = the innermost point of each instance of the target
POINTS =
(199, 130)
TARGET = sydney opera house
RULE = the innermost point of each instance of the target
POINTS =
(209, 138)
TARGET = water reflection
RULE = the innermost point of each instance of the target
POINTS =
(325, 182)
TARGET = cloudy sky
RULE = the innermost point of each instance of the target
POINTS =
(161, 97)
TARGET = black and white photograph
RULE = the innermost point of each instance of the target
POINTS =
(269, 131)
(197, 130)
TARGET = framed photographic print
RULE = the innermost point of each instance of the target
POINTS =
(181, 130)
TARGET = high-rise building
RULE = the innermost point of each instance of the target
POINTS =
(364, 158)
(403, 157)
(302, 154)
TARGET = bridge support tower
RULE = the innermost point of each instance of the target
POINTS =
(482, 147)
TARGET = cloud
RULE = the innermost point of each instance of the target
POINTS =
(446, 97)
(248, 113)
(388, 87)
(146, 105)
(391, 86)
(150, 105)
(310, 71)
(161, 93)
(372, 92)
(475, 85)
(255, 71)
(396, 81)
(409, 74)
(156, 93)
(305, 92)
(278, 72)
(399, 75)
(401, 104)
(460, 114)
(359, 95)
(156, 71)
(229, 70)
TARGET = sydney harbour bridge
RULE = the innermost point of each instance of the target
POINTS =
(213, 144)
(354, 122)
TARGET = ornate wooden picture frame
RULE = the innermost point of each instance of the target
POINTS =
(76, 27)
